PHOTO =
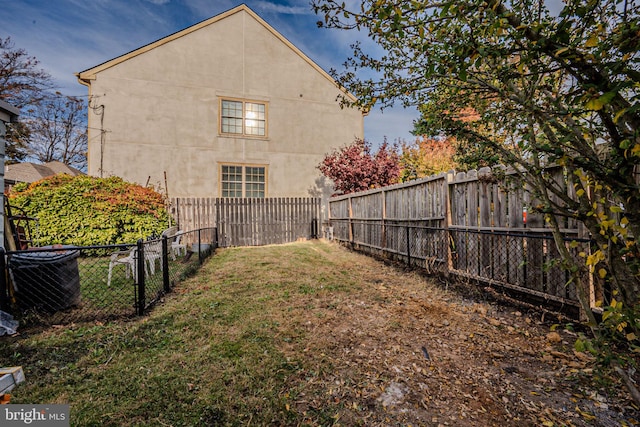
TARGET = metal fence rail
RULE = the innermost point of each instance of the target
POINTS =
(63, 284)
(525, 262)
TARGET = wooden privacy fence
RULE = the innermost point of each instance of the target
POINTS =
(466, 224)
(250, 221)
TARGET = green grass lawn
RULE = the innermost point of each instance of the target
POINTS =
(95, 293)
(208, 356)
(311, 334)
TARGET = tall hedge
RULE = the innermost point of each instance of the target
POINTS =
(85, 210)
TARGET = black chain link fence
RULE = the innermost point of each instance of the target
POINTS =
(64, 284)
(528, 263)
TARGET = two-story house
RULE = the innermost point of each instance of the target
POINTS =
(225, 108)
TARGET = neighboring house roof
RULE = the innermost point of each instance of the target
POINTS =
(84, 77)
(31, 172)
(59, 167)
(8, 113)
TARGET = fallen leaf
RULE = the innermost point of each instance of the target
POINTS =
(554, 337)
(494, 322)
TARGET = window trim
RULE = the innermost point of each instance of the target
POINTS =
(244, 134)
(244, 179)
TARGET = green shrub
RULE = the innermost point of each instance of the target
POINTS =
(85, 210)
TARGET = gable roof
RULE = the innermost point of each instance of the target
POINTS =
(85, 77)
(32, 172)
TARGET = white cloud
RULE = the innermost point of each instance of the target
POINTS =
(281, 8)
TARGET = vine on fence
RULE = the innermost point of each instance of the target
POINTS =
(85, 211)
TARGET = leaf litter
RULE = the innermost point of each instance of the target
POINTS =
(401, 350)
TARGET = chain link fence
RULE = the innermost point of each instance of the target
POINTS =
(525, 262)
(63, 284)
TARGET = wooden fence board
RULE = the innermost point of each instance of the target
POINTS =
(500, 242)
(460, 219)
(515, 246)
(250, 221)
(534, 247)
(473, 260)
(481, 217)
(485, 215)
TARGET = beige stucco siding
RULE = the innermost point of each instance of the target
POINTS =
(161, 111)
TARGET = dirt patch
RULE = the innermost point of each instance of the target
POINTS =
(404, 351)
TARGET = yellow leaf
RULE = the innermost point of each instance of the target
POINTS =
(621, 326)
(585, 415)
(631, 336)
(548, 424)
(618, 115)
(592, 42)
(602, 273)
(561, 51)
(594, 104)
(580, 192)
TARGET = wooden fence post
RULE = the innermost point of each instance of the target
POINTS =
(350, 220)
(383, 225)
(447, 183)
(486, 249)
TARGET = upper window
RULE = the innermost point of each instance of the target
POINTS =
(243, 118)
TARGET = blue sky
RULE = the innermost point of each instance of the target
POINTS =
(68, 36)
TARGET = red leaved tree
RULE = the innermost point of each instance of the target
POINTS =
(356, 168)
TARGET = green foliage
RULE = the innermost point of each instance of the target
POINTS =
(86, 210)
(618, 337)
(621, 324)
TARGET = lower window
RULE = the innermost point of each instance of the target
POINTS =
(243, 181)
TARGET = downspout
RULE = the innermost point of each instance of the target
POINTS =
(97, 109)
